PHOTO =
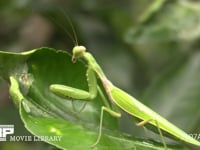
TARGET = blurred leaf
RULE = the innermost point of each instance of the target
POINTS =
(152, 8)
(45, 114)
(164, 38)
(175, 93)
(182, 25)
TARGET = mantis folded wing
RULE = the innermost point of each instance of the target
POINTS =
(119, 97)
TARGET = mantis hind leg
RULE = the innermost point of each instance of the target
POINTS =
(142, 123)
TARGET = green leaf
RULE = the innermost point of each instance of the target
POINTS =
(47, 115)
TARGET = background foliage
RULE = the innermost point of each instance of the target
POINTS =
(149, 48)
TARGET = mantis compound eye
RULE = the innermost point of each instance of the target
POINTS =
(78, 52)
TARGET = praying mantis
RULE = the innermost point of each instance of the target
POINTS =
(118, 97)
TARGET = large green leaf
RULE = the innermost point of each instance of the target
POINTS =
(45, 114)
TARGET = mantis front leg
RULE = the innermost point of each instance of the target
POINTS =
(77, 94)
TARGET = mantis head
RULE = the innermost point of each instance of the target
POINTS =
(78, 51)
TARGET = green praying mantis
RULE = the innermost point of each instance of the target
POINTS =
(119, 97)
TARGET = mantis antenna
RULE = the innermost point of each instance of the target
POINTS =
(72, 36)
(72, 27)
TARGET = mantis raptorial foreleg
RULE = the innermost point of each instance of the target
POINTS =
(77, 94)
(142, 123)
